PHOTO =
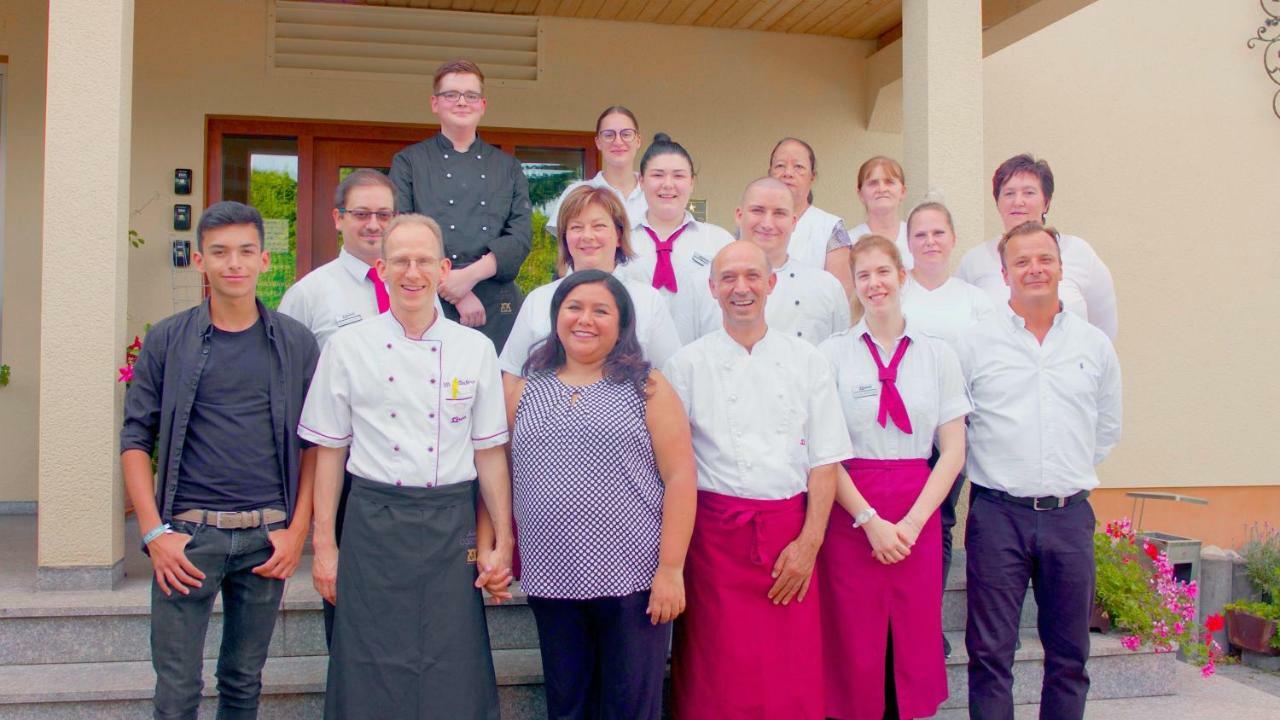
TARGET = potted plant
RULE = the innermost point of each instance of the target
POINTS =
(1138, 593)
(1252, 624)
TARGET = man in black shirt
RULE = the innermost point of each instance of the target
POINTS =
(479, 196)
(217, 391)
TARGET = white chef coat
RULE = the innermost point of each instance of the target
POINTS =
(1086, 288)
(334, 295)
(635, 202)
(817, 233)
(695, 248)
(908, 260)
(412, 411)
(929, 381)
(1043, 415)
(654, 328)
(761, 419)
(948, 310)
(806, 303)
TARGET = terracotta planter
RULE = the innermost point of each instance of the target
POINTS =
(1251, 632)
(1099, 619)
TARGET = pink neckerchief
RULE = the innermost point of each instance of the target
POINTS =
(891, 405)
(664, 273)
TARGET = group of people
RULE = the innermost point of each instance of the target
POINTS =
(760, 438)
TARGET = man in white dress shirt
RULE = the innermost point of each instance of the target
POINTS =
(417, 400)
(1045, 386)
(767, 434)
(808, 303)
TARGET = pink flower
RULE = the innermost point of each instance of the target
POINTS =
(1214, 623)
(1131, 642)
(126, 374)
(1208, 670)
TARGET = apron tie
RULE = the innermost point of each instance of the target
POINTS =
(664, 273)
(891, 405)
(738, 518)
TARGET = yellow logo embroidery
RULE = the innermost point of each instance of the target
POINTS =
(471, 556)
(453, 388)
(504, 308)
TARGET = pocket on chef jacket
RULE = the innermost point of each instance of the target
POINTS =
(459, 396)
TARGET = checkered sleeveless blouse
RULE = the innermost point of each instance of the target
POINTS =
(587, 493)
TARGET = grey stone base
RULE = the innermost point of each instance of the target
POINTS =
(1270, 663)
(18, 508)
(81, 577)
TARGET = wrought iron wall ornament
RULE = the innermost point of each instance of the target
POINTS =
(1269, 37)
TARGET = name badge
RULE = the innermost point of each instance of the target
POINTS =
(865, 391)
(701, 259)
(349, 319)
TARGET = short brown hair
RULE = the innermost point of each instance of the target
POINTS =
(931, 205)
(576, 203)
(866, 244)
(461, 67)
(364, 177)
(1023, 164)
(400, 221)
(1030, 227)
(891, 167)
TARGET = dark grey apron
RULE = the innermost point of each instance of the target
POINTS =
(410, 638)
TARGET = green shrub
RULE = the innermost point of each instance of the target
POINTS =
(539, 268)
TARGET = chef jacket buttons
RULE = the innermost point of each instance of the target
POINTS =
(451, 227)
(449, 175)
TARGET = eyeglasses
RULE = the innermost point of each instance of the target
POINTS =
(364, 215)
(452, 96)
(610, 135)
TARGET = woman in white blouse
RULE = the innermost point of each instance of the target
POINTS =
(1023, 189)
(669, 243)
(880, 564)
(618, 140)
(882, 186)
(819, 240)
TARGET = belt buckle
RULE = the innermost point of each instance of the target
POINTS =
(231, 516)
(1058, 503)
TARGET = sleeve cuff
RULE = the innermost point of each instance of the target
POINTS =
(323, 440)
(487, 441)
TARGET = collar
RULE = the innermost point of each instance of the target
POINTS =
(206, 320)
(479, 146)
(688, 218)
(599, 181)
(908, 330)
(434, 331)
(733, 349)
(352, 264)
(1020, 323)
(786, 265)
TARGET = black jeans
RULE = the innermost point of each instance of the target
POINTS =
(1008, 545)
(250, 604)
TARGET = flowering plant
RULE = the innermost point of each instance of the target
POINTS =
(1136, 588)
(130, 359)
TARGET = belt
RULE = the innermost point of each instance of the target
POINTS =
(1048, 502)
(240, 520)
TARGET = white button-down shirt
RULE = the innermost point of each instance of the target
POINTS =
(694, 249)
(1043, 414)
(948, 310)
(908, 261)
(817, 233)
(412, 411)
(635, 203)
(1086, 288)
(929, 381)
(806, 303)
(761, 420)
(654, 327)
(332, 296)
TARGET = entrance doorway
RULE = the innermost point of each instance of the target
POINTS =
(289, 170)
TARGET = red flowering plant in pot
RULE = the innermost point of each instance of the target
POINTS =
(1255, 625)
(1137, 591)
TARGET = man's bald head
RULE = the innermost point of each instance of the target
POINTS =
(767, 183)
(740, 252)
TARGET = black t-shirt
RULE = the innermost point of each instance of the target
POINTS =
(229, 461)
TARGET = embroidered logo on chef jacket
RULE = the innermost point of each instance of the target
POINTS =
(349, 319)
(463, 386)
(469, 542)
(504, 308)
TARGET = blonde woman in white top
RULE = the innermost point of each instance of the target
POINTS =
(819, 240)
(881, 187)
(618, 140)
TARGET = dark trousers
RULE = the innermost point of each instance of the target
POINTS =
(601, 658)
(1008, 545)
(178, 623)
(337, 532)
(947, 513)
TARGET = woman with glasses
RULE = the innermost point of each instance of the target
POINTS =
(618, 139)
(819, 240)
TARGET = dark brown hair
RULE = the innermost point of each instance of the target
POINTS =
(463, 67)
(1030, 227)
(364, 177)
(617, 110)
(1019, 164)
(813, 159)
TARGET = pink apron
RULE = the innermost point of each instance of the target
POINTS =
(736, 654)
(863, 601)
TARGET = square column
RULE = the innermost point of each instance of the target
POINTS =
(942, 110)
(84, 292)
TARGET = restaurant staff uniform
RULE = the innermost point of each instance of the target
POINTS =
(904, 249)
(761, 421)
(660, 262)
(410, 639)
(817, 233)
(635, 202)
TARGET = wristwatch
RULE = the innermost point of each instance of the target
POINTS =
(864, 517)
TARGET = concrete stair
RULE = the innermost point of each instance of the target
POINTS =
(86, 655)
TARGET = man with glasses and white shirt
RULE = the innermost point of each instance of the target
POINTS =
(479, 196)
(1045, 386)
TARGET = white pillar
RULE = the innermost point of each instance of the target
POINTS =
(84, 292)
(942, 109)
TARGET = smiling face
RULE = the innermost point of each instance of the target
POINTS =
(767, 219)
(1021, 199)
(459, 115)
(877, 281)
(587, 324)
(741, 281)
(412, 268)
(881, 191)
(363, 238)
(667, 183)
(592, 239)
(231, 257)
(791, 164)
(930, 239)
(618, 152)
(1032, 267)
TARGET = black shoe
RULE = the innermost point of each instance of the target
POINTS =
(946, 647)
